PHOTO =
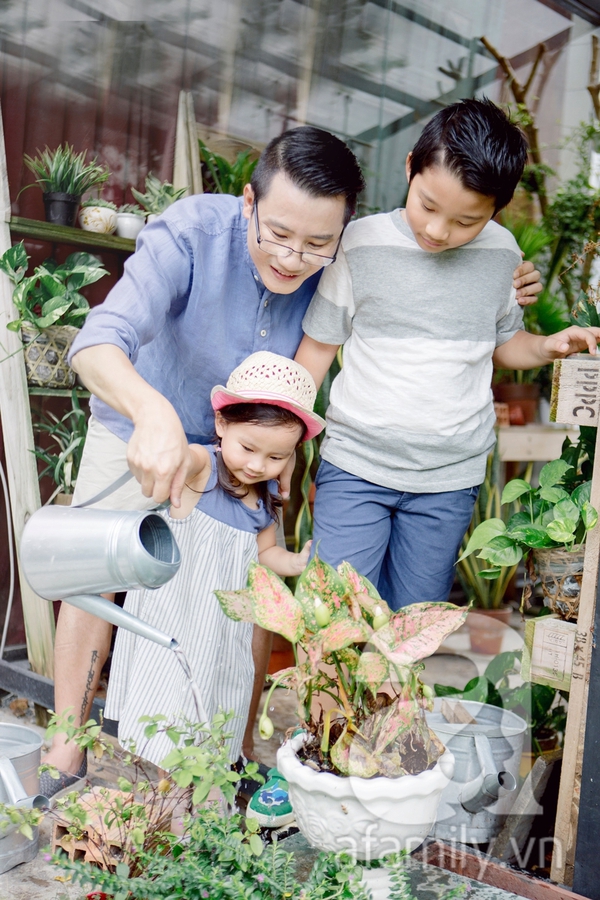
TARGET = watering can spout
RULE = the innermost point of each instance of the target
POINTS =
(108, 611)
(484, 790)
(16, 794)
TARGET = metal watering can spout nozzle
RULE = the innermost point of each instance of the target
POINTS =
(484, 790)
(14, 790)
(108, 611)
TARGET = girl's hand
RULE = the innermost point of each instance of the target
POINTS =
(526, 281)
(301, 559)
(571, 340)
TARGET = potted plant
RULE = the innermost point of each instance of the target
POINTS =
(125, 849)
(548, 532)
(158, 197)
(131, 218)
(68, 434)
(98, 215)
(64, 176)
(370, 756)
(489, 614)
(50, 310)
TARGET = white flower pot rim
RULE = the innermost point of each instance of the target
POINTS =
(380, 785)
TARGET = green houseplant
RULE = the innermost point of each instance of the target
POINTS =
(64, 176)
(548, 532)
(159, 195)
(220, 855)
(348, 644)
(219, 176)
(51, 309)
(63, 457)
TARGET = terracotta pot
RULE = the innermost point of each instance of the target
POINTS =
(486, 629)
(522, 400)
(368, 817)
(560, 572)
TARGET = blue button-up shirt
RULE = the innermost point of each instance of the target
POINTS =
(190, 307)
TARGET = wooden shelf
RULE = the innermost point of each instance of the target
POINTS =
(531, 443)
(60, 234)
(56, 392)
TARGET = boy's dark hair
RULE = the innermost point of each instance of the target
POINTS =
(255, 414)
(315, 161)
(477, 142)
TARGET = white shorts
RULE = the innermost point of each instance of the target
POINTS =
(104, 460)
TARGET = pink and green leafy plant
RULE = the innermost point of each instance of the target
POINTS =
(350, 647)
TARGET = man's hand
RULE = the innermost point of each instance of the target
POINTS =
(285, 479)
(571, 340)
(159, 456)
(526, 281)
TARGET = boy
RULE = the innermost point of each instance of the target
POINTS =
(422, 300)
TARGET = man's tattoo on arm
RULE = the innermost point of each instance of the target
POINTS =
(88, 686)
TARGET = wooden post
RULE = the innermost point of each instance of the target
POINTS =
(576, 400)
(18, 444)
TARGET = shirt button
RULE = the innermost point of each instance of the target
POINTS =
(266, 302)
(256, 277)
(263, 333)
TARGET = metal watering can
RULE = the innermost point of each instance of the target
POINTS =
(75, 553)
(475, 804)
(20, 750)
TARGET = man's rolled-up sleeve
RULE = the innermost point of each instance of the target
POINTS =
(156, 281)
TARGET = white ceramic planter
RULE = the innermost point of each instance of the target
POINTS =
(129, 225)
(368, 817)
(377, 881)
(100, 219)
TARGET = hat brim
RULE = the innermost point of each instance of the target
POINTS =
(220, 397)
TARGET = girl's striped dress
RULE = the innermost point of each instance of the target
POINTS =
(217, 542)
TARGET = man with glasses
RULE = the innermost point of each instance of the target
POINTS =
(213, 280)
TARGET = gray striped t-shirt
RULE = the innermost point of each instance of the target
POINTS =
(412, 408)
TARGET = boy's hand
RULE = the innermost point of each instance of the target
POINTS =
(571, 340)
(526, 281)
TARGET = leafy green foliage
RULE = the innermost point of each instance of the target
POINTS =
(351, 642)
(219, 176)
(51, 296)
(98, 201)
(485, 584)
(159, 195)
(64, 171)
(132, 209)
(556, 514)
(69, 434)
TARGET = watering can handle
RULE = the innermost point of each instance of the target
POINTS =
(121, 480)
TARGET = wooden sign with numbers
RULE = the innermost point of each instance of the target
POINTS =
(576, 390)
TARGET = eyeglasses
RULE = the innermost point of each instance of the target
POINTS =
(281, 251)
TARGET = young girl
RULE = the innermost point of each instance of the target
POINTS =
(226, 519)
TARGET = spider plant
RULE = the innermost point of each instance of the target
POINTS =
(63, 458)
(66, 172)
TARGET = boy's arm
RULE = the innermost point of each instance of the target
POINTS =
(530, 351)
(316, 357)
(281, 561)
(526, 282)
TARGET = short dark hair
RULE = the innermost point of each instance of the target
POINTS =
(477, 142)
(315, 161)
(266, 414)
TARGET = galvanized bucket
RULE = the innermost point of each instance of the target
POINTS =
(20, 750)
(67, 551)
(476, 802)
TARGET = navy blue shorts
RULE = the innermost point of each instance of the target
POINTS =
(405, 544)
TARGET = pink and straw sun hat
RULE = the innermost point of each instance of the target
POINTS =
(268, 378)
